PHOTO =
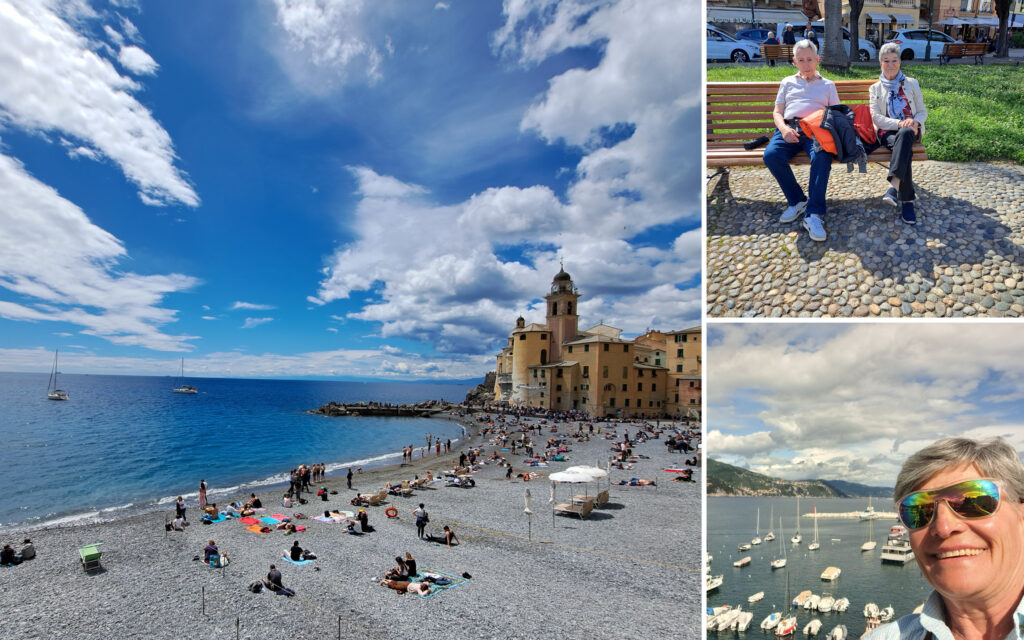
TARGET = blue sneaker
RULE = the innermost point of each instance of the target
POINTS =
(908, 216)
(892, 197)
(815, 228)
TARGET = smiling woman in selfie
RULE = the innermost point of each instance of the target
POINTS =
(961, 501)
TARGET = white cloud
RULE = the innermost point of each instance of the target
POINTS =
(255, 322)
(80, 280)
(325, 42)
(251, 305)
(442, 6)
(137, 61)
(114, 35)
(209, 317)
(54, 81)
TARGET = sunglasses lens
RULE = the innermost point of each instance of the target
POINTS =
(970, 499)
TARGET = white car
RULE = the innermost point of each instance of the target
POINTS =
(866, 51)
(914, 41)
(722, 46)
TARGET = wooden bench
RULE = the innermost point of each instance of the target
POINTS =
(961, 49)
(738, 112)
(783, 52)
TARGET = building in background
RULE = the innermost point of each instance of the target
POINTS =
(557, 366)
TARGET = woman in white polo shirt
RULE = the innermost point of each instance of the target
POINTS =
(800, 95)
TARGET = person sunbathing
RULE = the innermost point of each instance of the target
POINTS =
(402, 586)
(360, 501)
(398, 572)
(636, 482)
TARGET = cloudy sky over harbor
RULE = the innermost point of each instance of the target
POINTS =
(339, 187)
(852, 401)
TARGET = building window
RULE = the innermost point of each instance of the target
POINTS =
(624, 388)
(543, 356)
(543, 373)
(611, 402)
(570, 348)
(558, 373)
(627, 403)
(657, 362)
(558, 387)
(586, 348)
(604, 371)
(639, 373)
(554, 308)
(625, 348)
(654, 387)
(650, 403)
(522, 336)
(693, 401)
(606, 345)
(679, 368)
(639, 386)
(543, 336)
(677, 397)
(534, 373)
(691, 384)
(586, 371)
(679, 353)
(681, 337)
(568, 308)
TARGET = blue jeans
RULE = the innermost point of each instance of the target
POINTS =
(777, 155)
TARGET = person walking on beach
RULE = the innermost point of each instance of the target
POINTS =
(179, 508)
(348, 477)
(448, 445)
(202, 495)
(421, 520)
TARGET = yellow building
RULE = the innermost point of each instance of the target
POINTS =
(596, 371)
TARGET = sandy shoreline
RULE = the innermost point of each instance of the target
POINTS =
(630, 569)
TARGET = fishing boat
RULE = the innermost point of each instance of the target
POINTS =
(801, 598)
(742, 562)
(812, 602)
(827, 603)
(768, 537)
(786, 627)
(181, 387)
(831, 573)
(771, 620)
(796, 536)
(742, 621)
(870, 543)
(841, 605)
(725, 620)
(896, 549)
(871, 610)
(757, 529)
(814, 546)
(744, 546)
(713, 582)
(812, 627)
(838, 632)
(757, 596)
(52, 392)
(780, 561)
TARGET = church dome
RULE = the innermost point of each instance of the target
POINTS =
(562, 276)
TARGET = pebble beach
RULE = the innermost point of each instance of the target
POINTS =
(630, 569)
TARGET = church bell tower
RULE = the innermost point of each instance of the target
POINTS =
(562, 317)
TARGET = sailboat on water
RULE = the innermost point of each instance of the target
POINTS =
(181, 387)
(870, 543)
(780, 561)
(814, 546)
(796, 536)
(52, 392)
(757, 530)
(768, 537)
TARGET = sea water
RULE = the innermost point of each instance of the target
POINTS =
(864, 578)
(122, 444)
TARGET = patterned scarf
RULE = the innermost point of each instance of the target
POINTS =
(896, 101)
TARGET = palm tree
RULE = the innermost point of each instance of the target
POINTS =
(833, 52)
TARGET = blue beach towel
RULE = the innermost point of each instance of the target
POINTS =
(298, 562)
(453, 581)
(220, 518)
(269, 520)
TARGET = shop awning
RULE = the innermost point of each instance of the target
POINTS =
(902, 18)
(764, 16)
(878, 18)
(952, 22)
(987, 22)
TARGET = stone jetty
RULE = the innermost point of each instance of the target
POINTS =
(419, 410)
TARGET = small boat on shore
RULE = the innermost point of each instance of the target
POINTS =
(812, 627)
(757, 596)
(742, 562)
(831, 573)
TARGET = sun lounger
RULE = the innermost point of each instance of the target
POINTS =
(582, 509)
(602, 498)
(406, 488)
(90, 555)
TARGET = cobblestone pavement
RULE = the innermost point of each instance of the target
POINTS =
(965, 256)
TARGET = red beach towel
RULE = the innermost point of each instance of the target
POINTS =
(248, 520)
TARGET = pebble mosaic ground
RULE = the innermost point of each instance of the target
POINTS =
(964, 257)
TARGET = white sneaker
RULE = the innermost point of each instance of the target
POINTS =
(792, 213)
(815, 228)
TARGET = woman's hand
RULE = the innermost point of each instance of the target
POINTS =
(789, 134)
(910, 123)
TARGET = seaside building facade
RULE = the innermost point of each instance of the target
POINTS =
(559, 367)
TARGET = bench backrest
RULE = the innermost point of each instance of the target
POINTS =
(953, 50)
(975, 48)
(735, 109)
(776, 51)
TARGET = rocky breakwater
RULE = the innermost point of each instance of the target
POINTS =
(419, 410)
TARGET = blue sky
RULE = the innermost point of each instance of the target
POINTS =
(852, 401)
(339, 187)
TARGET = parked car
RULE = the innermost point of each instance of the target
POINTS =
(722, 46)
(914, 41)
(866, 51)
(753, 35)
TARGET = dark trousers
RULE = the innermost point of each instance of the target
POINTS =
(901, 143)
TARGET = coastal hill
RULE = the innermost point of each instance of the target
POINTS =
(727, 480)
(483, 392)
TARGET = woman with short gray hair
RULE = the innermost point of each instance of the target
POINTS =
(961, 501)
(898, 114)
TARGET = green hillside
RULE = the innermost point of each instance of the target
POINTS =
(727, 480)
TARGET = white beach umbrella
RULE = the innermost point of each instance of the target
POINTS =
(565, 476)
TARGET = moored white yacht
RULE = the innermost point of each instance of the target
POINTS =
(831, 573)
(896, 549)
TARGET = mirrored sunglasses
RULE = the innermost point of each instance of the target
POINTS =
(968, 499)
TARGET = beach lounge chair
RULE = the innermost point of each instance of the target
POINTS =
(582, 509)
(378, 498)
(90, 555)
(602, 498)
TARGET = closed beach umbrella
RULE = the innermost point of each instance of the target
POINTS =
(529, 514)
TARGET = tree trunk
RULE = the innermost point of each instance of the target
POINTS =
(856, 6)
(834, 55)
(1003, 40)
